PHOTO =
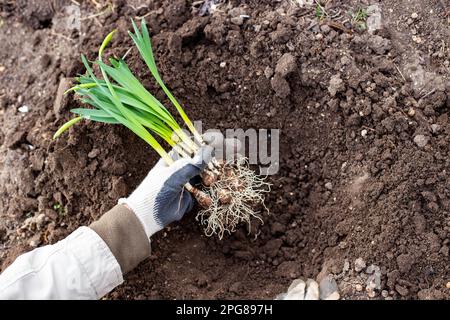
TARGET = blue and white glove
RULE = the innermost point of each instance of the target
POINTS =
(161, 198)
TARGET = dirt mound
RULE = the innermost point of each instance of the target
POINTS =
(363, 148)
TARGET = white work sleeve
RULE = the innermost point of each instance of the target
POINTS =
(80, 266)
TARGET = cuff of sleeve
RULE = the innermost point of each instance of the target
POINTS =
(144, 214)
(124, 235)
(96, 259)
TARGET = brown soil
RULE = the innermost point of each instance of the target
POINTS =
(352, 107)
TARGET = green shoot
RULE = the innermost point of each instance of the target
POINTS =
(105, 42)
(359, 18)
(128, 120)
(320, 11)
(66, 126)
(80, 86)
(59, 208)
(143, 43)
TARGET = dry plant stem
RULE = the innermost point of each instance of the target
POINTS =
(231, 202)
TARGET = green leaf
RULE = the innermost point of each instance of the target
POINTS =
(144, 46)
(66, 126)
(107, 39)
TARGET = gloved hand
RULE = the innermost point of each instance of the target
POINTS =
(161, 198)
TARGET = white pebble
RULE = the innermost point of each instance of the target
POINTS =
(24, 109)
(363, 133)
(414, 15)
(421, 140)
(222, 64)
(371, 294)
(435, 128)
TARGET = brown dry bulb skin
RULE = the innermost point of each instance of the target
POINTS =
(202, 198)
(224, 196)
(208, 178)
(228, 172)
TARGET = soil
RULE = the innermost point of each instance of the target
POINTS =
(364, 144)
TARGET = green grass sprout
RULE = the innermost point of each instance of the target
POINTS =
(66, 126)
(143, 43)
(359, 18)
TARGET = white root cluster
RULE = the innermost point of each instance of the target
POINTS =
(243, 190)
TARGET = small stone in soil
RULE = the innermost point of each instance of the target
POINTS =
(401, 290)
(363, 133)
(435, 128)
(239, 20)
(325, 28)
(336, 85)
(296, 290)
(329, 185)
(334, 296)
(222, 64)
(371, 294)
(268, 72)
(93, 153)
(359, 287)
(374, 19)
(372, 268)
(421, 140)
(346, 266)
(312, 293)
(373, 281)
(360, 264)
(327, 287)
(24, 109)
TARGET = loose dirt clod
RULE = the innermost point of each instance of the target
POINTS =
(336, 85)
(280, 86)
(286, 65)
